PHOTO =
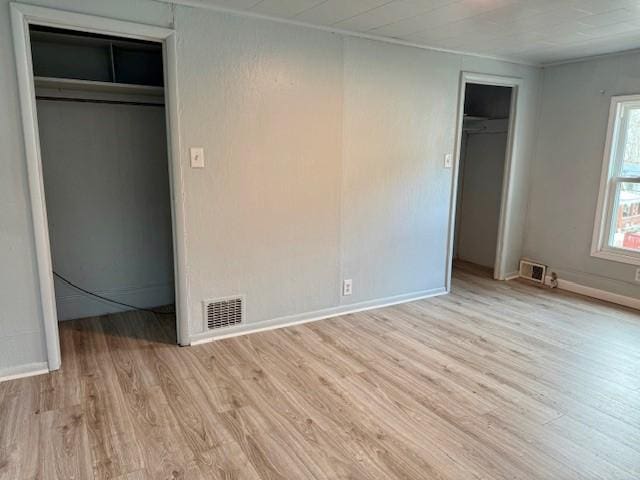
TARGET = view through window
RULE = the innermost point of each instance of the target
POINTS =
(625, 231)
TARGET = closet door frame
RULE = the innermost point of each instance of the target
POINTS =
(22, 16)
(504, 242)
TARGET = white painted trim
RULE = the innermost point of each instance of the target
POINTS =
(599, 224)
(308, 317)
(51, 17)
(580, 289)
(602, 223)
(588, 58)
(512, 152)
(24, 15)
(511, 276)
(22, 46)
(349, 33)
(112, 292)
(23, 371)
(79, 305)
(617, 255)
(506, 199)
(176, 185)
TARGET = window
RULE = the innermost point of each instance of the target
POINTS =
(617, 228)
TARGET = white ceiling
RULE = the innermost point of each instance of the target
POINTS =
(529, 31)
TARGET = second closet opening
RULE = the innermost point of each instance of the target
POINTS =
(483, 153)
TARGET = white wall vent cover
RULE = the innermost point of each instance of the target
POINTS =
(223, 312)
(533, 271)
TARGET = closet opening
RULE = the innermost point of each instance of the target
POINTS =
(102, 128)
(482, 169)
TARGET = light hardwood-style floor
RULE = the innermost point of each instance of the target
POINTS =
(495, 381)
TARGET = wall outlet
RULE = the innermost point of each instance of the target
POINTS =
(197, 157)
(637, 274)
(347, 288)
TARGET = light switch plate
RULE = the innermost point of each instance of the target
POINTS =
(197, 157)
(448, 160)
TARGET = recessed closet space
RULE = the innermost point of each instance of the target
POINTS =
(103, 142)
(483, 149)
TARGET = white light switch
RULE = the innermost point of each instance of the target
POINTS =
(197, 157)
(448, 160)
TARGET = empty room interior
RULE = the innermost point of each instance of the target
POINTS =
(320, 239)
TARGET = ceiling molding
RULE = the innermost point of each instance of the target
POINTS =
(349, 33)
(588, 58)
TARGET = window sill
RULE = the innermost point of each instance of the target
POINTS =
(621, 256)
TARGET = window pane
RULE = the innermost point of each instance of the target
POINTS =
(631, 148)
(625, 231)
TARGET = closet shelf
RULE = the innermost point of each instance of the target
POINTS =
(94, 86)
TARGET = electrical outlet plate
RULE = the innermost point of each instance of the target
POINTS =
(347, 287)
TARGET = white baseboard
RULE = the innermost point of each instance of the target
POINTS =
(596, 293)
(308, 317)
(511, 276)
(77, 305)
(23, 371)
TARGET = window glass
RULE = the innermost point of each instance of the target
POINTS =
(631, 148)
(617, 229)
(625, 231)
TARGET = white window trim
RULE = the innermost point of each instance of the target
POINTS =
(600, 247)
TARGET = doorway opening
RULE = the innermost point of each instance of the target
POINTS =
(103, 143)
(126, 47)
(483, 160)
(104, 155)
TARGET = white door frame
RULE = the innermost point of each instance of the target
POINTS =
(503, 244)
(24, 15)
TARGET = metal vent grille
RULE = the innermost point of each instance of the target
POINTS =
(223, 312)
(533, 271)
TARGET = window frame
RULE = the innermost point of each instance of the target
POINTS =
(609, 183)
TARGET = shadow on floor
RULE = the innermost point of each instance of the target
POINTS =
(144, 326)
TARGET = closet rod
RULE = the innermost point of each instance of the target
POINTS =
(88, 100)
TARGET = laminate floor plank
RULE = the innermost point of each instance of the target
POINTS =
(498, 380)
(549, 372)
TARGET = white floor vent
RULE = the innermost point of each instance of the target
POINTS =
(223, 312)
(535, 272)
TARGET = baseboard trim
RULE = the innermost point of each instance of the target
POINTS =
(596, 293)
(314, 316)
(23, 371)
(76, 305)
(511, 276)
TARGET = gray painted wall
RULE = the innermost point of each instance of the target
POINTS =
(395, 191)
(324, 161)
(566, 171)
(107, 190)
